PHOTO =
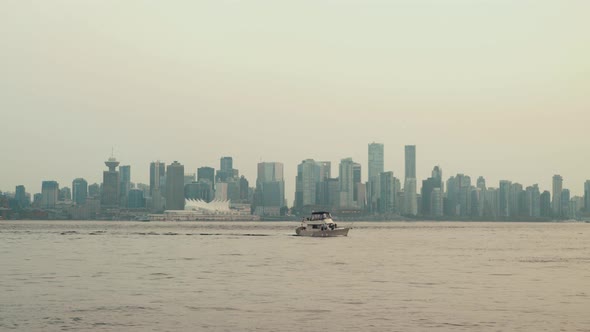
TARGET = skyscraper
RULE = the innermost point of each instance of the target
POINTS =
(157, 176)
(79, 191)
(270, 189)
(306, 184)
(410, 194)
(125, 184)
(410, 162)
(49, 194)
(110, 184)
(557, 188)
(206, 174)
(226, 170)
(428, 187)
(347, 184)
(376, 167)
(175, 186)
(545, 203)
(376, 160)
(21, 197)
(157, 186)
(505, 198)
(565, 204)
(387, 194)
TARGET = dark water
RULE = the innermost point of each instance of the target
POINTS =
(123, 276)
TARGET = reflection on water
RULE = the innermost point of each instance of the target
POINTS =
(113, 276)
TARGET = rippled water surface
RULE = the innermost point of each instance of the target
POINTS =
(125, 276)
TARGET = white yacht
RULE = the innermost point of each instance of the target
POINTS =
(320, 224)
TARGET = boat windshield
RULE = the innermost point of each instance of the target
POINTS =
(320, 216)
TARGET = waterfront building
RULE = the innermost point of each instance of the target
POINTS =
(375, 168)
(565, 204)
(458, 201)
(49, 194)
(157, 200)
(410, 197)
(157, 177)
(491, 206)
(557, 188)
(65, 194)
(125, 183)
(110, 194)
(199, 190)
(517, 195)
(206, 174)
(79, 191)
(306, 183)
(136, 199)
(436, 202)
(21, 198)
(270, 189)
(226, 170)
(533, 201)
(346, 176)
(221, 190)
(545, 203)
(175, 186)
(428, 186)
(504, 198)
(410, 158)
(94, 191)
(386, 202)
(481, 183)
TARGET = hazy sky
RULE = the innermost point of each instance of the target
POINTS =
(498, 88)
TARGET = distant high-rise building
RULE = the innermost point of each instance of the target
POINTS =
(505, 198)
(157, 177)
(79, 191)
(65, 194)
(21, 198)
(356, 179)
(136, 199)
(175, 186)
(491, 207)
(557, 188)
(565, 204)
(376, 167)
(410, 184)
(387, 195)
(410, 162)
(94, 190)
(50, 194)
(201, 190)
(347, 184)
(545, 203)
(309, 175)
(110, 194)
(125, 183)
(270, 189)
(226, 170)
(516, 199)
(587, 196)
(410, 197)
(533, 201)
(481, 183)
(157, 186)
(206, 174)
(436, 202)
(226, 164)
(428, 187)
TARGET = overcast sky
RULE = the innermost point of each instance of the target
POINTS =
(498, 88)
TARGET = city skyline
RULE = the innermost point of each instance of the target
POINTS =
(287, 178)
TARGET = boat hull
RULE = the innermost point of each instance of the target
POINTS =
(319, 233)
